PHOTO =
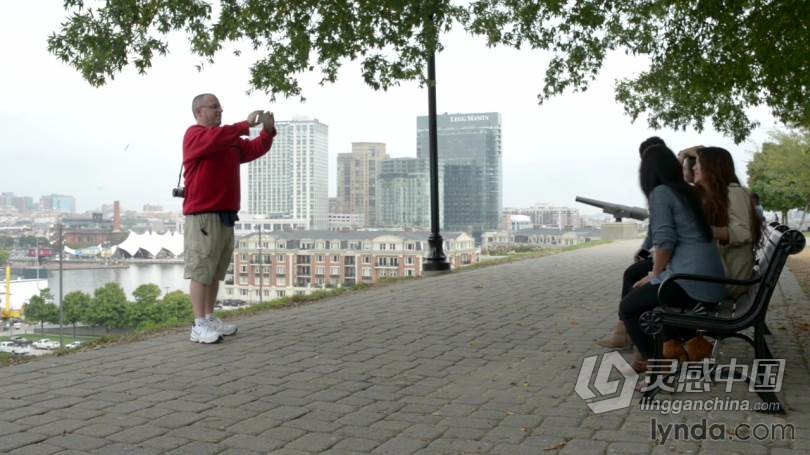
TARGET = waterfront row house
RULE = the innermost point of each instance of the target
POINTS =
(537, 238)
(283, 264)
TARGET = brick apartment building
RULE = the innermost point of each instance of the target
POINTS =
(298, 263)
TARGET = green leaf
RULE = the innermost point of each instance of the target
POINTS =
(709, 61)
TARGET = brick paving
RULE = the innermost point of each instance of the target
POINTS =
(482, 361)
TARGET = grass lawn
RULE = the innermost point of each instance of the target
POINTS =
(799, 264)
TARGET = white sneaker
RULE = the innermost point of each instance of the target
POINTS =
(221, 327)
(205, 333)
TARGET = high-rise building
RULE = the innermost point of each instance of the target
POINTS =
(6, 199)
(335, 205)
(58, 203)
(471, 176)
(291, 180)
(342, 202)
(357, 179)
(21, 203)
(403, 187)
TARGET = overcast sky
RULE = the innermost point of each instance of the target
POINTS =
(123, 141)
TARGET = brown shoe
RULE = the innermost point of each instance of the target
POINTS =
(698, 348)
(673, 349)
(618, 339)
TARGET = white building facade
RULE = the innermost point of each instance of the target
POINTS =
(547, 215)
(291, 180)
(537, 238)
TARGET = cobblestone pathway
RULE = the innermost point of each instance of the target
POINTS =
(482, 361)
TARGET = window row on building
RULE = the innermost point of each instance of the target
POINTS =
(297, 263)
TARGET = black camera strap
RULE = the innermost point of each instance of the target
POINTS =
(180, 175)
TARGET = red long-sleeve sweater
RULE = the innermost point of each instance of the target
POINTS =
(211, 157)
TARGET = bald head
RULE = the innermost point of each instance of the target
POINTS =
(207, 110)
(198, 101)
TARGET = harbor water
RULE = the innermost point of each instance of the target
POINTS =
(169, 277)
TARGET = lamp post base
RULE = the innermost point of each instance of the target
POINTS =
(435, 268)
(437, 262)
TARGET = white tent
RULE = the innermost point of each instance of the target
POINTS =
(152, 244)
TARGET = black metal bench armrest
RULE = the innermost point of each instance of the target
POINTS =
(669, 281)
(697, 316)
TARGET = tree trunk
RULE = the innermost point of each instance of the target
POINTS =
(41, 327)
(74, 331)
(784, 219)
(804, 216)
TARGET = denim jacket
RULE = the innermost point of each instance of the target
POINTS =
(675, 228)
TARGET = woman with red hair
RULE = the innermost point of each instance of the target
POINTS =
(730, 212)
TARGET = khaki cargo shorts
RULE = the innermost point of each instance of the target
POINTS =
(208, 248)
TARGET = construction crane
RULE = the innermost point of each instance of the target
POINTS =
(7, 312)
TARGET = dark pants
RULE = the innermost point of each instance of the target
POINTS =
(642, 299)
(634, 273)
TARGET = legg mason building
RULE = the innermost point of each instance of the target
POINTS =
(470, 173)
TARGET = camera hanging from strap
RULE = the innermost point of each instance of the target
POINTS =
(179, 191)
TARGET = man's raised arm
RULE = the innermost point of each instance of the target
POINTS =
(255, 148)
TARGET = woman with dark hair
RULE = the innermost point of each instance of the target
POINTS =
(642, 264)
(647, 143)
(618, 339)
(730, 211)
(682, 241)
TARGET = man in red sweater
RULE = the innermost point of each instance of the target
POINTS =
(211, 157)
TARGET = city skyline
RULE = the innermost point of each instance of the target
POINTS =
(122, 141)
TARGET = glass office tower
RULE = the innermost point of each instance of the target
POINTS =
(470, 172)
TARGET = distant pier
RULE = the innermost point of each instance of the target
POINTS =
(71, 265)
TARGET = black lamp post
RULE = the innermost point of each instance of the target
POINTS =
(436, 260)
(61, 306)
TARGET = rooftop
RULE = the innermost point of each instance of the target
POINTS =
(353, 235)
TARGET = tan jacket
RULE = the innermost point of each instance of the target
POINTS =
(738, 253)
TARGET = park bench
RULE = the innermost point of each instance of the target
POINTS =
(728, 319)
